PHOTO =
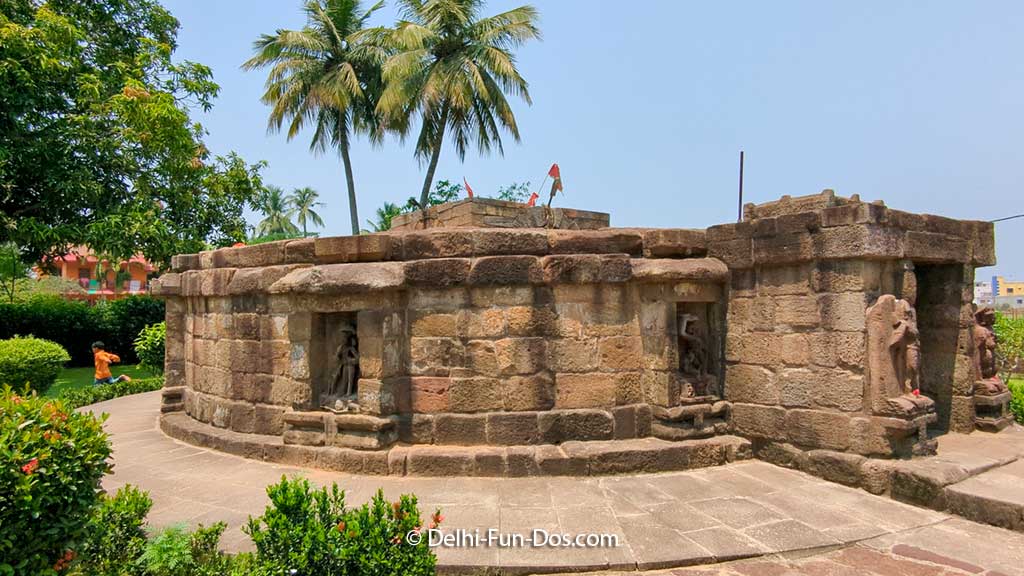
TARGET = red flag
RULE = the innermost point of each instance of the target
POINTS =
(554, 172)
(533, 199)
(468, 189)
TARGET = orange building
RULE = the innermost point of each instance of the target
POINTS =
(101, 279)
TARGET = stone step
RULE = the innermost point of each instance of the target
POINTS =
(595, 458)
(993, 497)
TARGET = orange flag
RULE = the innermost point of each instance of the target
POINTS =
(533, 199)
(468, 189)
(554, 172)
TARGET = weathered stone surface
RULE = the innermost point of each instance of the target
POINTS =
(620, 353)
(751, 384)
(796, 312)
(759, 421)
(520, 355)
(341, 279)
(562, 425)
(674, 242)
(362, 248)
(476, 394)
(266, 254)
(817, 429)
(835, 466)
(534, 392)
(505, 270)
(495, 242)
(460, 429)
(593, 390)
(586, 268)
(438, 273)
(672, 270)
(619, 241)
(429, 394)
(512, 428)
(531, 321)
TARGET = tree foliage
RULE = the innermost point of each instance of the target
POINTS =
(452, 68)
(273, 204)
(303, 202)
(97, 140)
(326, 75)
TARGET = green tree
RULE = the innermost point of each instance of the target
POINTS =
(515, 192)
(384, 216)
(273, 204)
(326, 74)
(12, 269)
(452, 69)
(303, 202)
(97, 140)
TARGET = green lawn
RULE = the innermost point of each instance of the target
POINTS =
(74, 378)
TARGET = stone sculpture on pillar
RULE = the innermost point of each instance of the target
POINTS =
(991, 396)
(341, 394)
(894, 360)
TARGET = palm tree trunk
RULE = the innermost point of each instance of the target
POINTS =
(434, 155)
(352, 210)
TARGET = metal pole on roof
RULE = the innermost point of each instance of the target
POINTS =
(739, 210)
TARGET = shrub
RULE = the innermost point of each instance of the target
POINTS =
(149, 347)
(31, 361)
(177, 552)
(75, 325)
(308, 532)
(93, 394)
(124, 319)
(1017, 402)
(116, 535)
(51, 463)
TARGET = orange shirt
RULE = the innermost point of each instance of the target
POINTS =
(103, 360)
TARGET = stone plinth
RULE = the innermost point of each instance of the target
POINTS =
(491, 213)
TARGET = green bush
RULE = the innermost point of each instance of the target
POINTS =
(51, 463)
(177, 552)
(116, 535)
(149, 347)
(1017, 402)
(75, 325)
(31, 361)
(308, 532)
(93, 394)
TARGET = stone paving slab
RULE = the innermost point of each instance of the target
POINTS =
(661, 520)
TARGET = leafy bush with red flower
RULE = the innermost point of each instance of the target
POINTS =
(306, 532)
(51, 463)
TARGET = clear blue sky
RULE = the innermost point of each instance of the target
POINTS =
(645, 106)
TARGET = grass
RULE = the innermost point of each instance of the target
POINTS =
(75, 378)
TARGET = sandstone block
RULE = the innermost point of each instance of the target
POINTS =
(843, 312)
(619, 353)
(184, 262)
(354, 278)
(751, 384)
(486, 323)
(439, 461)
(432, 324)
(796, 350)
(437, 244)
(300, 251)
(435, 356)
(592, 390)
(475, 394)
(520, 355)
(362, 248)
(534, 392)
(521, 461)
(674, 242)
(268, 420)
(481, 358)
(438, 273)
(460, 429)
(791, 280)
(512, 428)
(489, 462)
(608, 241)
(629, 388)
(817, 429)
(531, 321)
(844, 349)
(428, 394)
(672, 270)
(759, 421)
(661, 388)
(494, 242)
(754, 348)
(835, 466)
(797, 311)
(505, 270)
(847, 276)
(562, 425)
(585, 268)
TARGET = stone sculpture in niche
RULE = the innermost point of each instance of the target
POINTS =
(341, 393)
(693, 355)
(988, 382)
(894, 359)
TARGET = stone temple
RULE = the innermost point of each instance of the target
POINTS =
(493, 339)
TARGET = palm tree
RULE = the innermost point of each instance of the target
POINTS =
(327, 74)
(273, 204)
(303, 201)
(384, 216)
(453, 68)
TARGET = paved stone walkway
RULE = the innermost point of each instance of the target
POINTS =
(698, 517)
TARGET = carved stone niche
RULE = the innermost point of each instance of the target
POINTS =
(334, 362)
(991, 396)
(700, 411)
(893, 376)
